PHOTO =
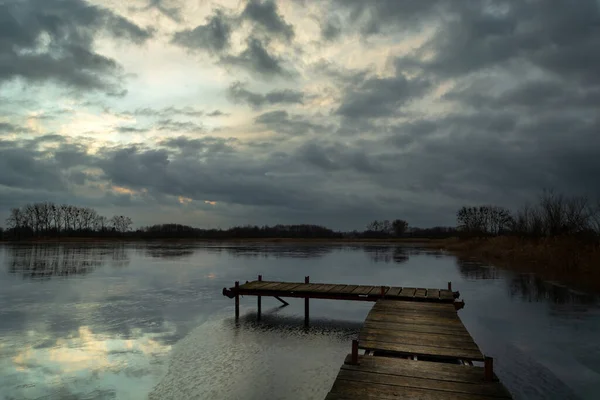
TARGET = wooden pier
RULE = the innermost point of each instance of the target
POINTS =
(415, 345)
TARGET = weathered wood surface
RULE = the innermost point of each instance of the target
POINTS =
(423, 329)
(351, 292)
(394, 378)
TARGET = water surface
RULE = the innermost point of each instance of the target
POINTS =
(138, 321)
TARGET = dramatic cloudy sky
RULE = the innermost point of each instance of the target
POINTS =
(334, 112)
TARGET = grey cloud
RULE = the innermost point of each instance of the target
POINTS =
(171, 12)
(540, 94)
(257, 59)
(172, 125)
(280, 121)
(10, 128)
(337, 156)
(265, 14)
(238, 93)
(331, 29)
(216, 113)
(380, 97)
(213, 36)
(207, 144)
(70, 27)
(168, 112)
(560, 39)
(377, 16)
(131, 129)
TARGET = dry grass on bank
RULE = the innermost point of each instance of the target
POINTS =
(565, 259)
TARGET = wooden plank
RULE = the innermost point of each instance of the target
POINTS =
(348, 289)
(421, 350)
(376, 291)
(392, 334)
(255, 285)
(401, 308)
(358, 390)
(409, 319)
(407, 292)
(490, 389)
(362, 290)
(433, 316)
(419, 369)
(433, 293)
(446, 295)
(440, 330)
(415, 305)
(307, 287)
(337, 289)
(272, 285)
(322, 288)
(412, 312)
(422, 340)
(394, 291)
(420, 293)
(284, 287)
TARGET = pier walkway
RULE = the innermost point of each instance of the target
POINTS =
(415, 346)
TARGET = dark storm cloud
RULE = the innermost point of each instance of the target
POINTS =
(168, 112)
(21, 167)
(558, 38)
(43, 40)
(372, 17)
(231, 177)
(257, 59)
(130, 129)
(6, 127)
(337, 156)
(213, 36)
(238, 93)
(176, 126)
(216, 113)
(380, 97)
(208, 144)
(265, 14)
(279, 121)
(331, 29)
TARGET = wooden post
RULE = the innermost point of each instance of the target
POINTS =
(488, 368)
(450, 286)
(355, 352)
(237, 299)
(259, 301)
(306, 309)
(382, 291)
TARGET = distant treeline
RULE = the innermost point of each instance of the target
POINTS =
(52, 220)
(552, 215)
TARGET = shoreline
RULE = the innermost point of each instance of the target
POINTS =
(567, 260)
(563, 259)
(224, 240)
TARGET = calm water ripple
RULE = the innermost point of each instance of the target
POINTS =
(138, 321)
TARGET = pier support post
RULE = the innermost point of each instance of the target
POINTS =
(450, 286)
(382, 292)
(355, 352)
(306, 307)
(259, 301)
(237, 299)
(488, 368)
